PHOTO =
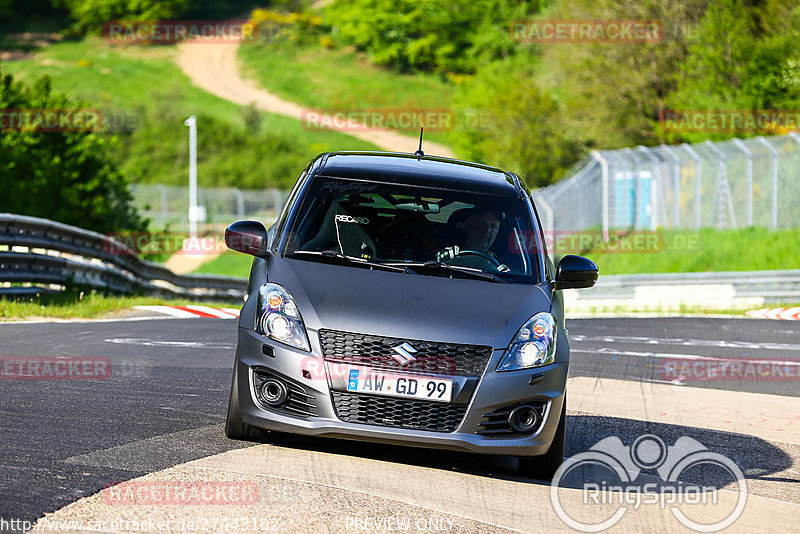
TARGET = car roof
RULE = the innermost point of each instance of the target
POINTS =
(428, 171)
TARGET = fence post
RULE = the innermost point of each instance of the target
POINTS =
(697, 175)
(723, 187)
(277, 200)
(163, 191)
(749, 176)
(774, 173)
(239, 203)
(604, 190)
(655, 181)
(676, 184)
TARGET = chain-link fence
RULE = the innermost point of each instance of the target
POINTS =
(168, 206)
(730, 184)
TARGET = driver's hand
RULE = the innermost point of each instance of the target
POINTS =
(447, 254)
(503, 268)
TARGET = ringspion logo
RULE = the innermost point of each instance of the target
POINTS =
(619, 484)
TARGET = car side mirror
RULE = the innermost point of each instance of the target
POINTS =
(249, 237)
(574, 272)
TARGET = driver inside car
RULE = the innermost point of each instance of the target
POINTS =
(482, 227)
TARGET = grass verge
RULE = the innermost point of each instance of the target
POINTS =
(341, 79)
(748, 249)
(74, 305)
(229, 264)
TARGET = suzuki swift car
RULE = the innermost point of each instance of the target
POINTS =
(406, 299)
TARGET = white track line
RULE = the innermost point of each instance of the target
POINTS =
(688, 342)
(672, 356)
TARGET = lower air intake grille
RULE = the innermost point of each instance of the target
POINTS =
(398, 413)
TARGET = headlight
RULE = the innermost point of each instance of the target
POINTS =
(278, 317)
(533, 346)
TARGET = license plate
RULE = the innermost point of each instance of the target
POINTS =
(411, 387)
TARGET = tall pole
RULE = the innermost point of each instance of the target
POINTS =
(191, 122)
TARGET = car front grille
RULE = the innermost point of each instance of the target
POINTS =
(430, 357)
(398, 413)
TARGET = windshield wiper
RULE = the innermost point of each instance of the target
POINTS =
(351, 259)
(439, 266)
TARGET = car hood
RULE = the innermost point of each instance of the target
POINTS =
(409, 306)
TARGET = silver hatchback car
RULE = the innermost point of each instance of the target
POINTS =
(406, 299)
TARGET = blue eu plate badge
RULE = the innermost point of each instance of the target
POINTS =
(352, 383)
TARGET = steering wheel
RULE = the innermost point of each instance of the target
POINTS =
(480, 254)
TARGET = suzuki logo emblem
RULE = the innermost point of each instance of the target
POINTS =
(404, 353)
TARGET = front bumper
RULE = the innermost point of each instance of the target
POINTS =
(495, 390)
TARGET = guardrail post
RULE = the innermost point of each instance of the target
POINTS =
(604, 190)
(774, 176)
(749, 176)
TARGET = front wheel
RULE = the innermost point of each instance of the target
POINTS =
(545, 466)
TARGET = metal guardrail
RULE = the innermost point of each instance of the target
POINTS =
(60, 254)
(708, 289)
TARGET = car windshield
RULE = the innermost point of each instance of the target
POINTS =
(429, 231)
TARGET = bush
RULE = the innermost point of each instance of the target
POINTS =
(430, 35)
(93, 14)
(68, 176)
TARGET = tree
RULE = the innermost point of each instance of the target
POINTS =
(93, 14)
(615, 92)
(504, 119)
(67, 176)
(740, 58)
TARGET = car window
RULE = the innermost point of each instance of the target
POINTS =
(391, 223)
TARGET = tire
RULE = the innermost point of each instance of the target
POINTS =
(545, 466)
(235, 428)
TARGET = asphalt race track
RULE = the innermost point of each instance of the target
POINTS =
(165, 401)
